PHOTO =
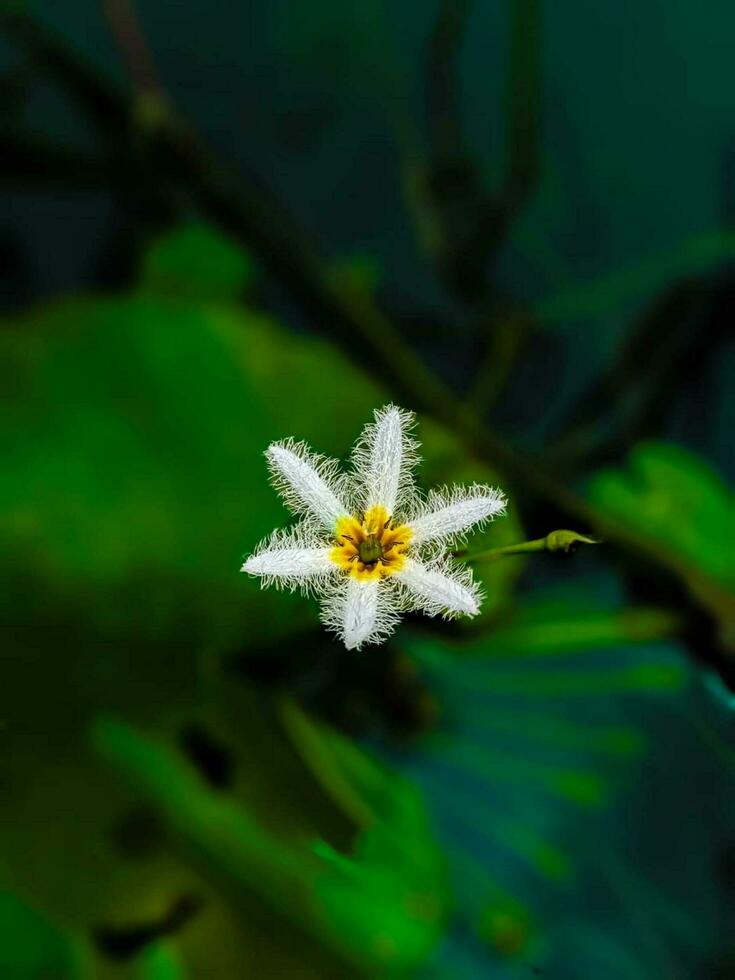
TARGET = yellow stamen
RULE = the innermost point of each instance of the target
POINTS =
(370, 548)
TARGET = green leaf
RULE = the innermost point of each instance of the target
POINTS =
(380, 908)
(694, 256)
(670, 494)
(389, 899)
(549, 627)
(197, 263)
(376, 796)
(32, 948)
(513, 685)
(134, 478)
(674, 499)
(395, 921)
(540, 727)
(160, 962)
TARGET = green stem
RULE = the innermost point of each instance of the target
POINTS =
(554, 542)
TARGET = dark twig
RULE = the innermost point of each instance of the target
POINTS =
(632, 395)
(464, 222)
(505, 330)
(97, 96)
(128, 33)
(443, 100)
(522, 103)
(453, 202)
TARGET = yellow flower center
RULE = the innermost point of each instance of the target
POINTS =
(371, 548)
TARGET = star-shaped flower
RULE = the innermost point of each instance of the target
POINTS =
(368, 544)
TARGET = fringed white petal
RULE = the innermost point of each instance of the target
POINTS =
(293, 563)
(360, 612)
(450, 512)
(295, 558)
(383, 460)
(439, 589)
(309, 484)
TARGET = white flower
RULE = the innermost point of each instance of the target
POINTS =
(368, 544)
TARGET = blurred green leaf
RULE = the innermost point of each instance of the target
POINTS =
(389, 898)
(671, 497)
(377, 798)
(544, 716)
(380, 908)
(552, 627)
(371, 902)
(196, 263)
(31, 948)
(160, 962)
(135, 478)
(345, 773)
(695, 256)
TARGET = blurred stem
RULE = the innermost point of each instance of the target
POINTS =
(696, 256)
(633, 393)
(522, 166)
(505, 335)
(523, 102)
(554, 542)
(458, 220)
(96, 95)
(246, 209)
(312, 746)
(443, 100)
(134, 49)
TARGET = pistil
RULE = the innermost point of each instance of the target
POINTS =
(370, 550)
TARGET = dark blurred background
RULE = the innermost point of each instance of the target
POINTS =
(226, 225)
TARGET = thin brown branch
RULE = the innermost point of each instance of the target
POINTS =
(97, 96)
(522, 102)
(443, 99)
(135, 51)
